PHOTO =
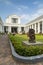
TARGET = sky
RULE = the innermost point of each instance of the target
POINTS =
(27, 9)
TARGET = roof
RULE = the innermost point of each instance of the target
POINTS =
(12, 15)
(40, 17)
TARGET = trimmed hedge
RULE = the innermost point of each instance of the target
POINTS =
(24, 50)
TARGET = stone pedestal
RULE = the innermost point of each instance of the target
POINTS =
(32, 44)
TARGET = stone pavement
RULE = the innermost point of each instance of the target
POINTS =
(6, 57)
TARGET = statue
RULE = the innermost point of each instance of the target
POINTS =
(31, 36)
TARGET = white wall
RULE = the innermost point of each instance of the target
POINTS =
(37, 20)
(9, 19)
(26, 27)
(19, 29)
(0, 28)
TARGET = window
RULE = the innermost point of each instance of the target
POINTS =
(36, 27)
(14, 20)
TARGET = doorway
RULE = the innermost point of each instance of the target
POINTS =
(22, 29)
(14, 29)
(6, 29)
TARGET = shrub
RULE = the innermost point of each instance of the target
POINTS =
(24, 50)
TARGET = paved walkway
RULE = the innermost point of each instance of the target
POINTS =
(5, 54)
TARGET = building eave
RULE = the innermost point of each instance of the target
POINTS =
(38, 18)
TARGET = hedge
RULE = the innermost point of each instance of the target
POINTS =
(24, 50)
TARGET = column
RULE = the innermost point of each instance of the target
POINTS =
(35, 28)
(38, 27)
(19, 29)
(27, 29)
(9, 29)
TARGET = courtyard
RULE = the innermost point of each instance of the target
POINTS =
(21, 32)
(6, 57)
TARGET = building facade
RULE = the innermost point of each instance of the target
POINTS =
(13, 24)
(36, 24)
(1, 26)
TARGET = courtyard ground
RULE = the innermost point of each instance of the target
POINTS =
(6, 56)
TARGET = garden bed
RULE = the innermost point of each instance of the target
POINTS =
(26, 54)
(33, 44)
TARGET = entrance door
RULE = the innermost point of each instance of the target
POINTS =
(6, 29)
(14, 29)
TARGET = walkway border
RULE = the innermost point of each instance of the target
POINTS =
(31, 59)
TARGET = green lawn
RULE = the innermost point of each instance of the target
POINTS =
(25, 37)
(39, 38)
(26, 50)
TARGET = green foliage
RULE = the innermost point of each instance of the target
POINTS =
(25, 50)
(39, 37)
(1, 33)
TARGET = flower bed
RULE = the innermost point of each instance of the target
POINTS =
(25, 50)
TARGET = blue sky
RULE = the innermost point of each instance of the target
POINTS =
(26, 9)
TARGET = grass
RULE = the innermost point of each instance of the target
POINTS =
(26, 50)
(39, 37)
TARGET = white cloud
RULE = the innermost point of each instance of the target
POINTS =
(24, 18)
(22, 7)
(35, 2)
(19, 8)
(27, 17)
(39, 10)
(38, 13)
(7, 2)
(40, 6)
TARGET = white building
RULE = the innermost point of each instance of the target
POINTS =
(12, 24)
(36, 24)
(1, 26)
